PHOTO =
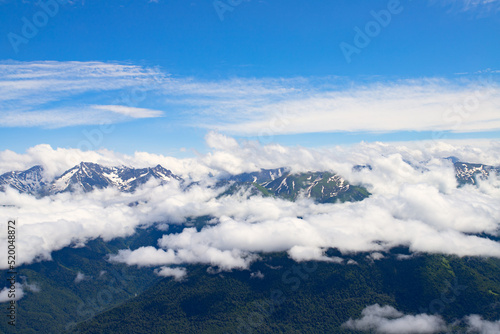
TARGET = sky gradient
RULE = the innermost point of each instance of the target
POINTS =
(158, 76)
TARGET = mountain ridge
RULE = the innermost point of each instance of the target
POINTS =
(323, 186)
(86, 177)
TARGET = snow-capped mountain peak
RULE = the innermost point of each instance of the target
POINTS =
(86, 177)
(29, 181)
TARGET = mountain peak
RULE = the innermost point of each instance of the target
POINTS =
(85, 176)
(29, 181)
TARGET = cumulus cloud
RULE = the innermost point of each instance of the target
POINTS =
(376, 256)
(177, 273)
(5, 294)
(476, 324)
(386, 319)
(307, 253)
(415, 202)
(57, 161)
(150, 256)
(370, 225)
(80, 277)
(258, 274)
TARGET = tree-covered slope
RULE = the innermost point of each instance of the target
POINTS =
(77, 284)
(323, 187)
(279, 295)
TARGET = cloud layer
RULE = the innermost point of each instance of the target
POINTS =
(415, 202)
(57, 94)
(386, 319)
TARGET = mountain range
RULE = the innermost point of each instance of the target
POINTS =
(469, 173)
(323, 186)
(81, 291)
(86, 177)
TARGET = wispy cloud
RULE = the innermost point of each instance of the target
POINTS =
(479, 7)
(58, 94)
(405, 106)
(131, 111)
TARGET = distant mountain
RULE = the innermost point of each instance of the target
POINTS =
(465, 172)
(468, 173)
(85, 177)
(29, 181)
(89, 176)
(324, 187)
(264, 175)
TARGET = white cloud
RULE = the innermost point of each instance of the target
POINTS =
(477, 324)
(57, 161)
(80, 277)
(405, 106)
(130, 111)
(37, 93)
(480, 7)
(386, 319)
(415, 202)
(150, 256)
(56, 94)
(177, 273)
(51, 118)
(376, 256)
(258, 274)
(308, 253)
(33, 287)
(6, 293)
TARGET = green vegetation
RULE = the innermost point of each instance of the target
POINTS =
(323, 187)
(306, 298)
(59, 300)
(281, 297)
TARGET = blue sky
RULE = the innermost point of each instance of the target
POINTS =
(162, 74)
